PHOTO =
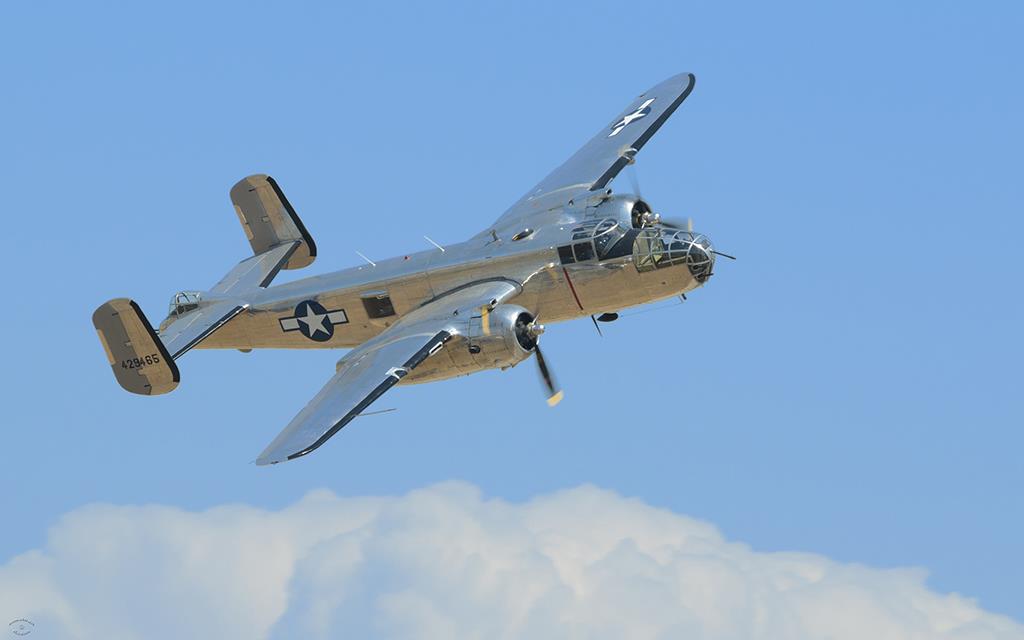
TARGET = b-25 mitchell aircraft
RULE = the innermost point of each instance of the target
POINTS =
(569, 248)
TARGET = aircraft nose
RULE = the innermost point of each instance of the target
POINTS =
(695, 250)
(701, 260)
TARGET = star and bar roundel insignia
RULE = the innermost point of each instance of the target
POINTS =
(313, 321)
(636, 114)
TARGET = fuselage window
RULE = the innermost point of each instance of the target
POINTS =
(583, 251)
(378, 306)
(565, 254)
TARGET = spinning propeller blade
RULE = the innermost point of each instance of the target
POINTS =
(555, 394)
(678, 223)
(634, 180)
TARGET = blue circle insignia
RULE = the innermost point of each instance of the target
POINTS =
(313, 320)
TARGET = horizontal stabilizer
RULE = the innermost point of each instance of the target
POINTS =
(138, 358)
(269, 220)
(256, 271)
(188, 329)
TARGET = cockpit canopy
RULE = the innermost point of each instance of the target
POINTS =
(591, 239)
(183, 302)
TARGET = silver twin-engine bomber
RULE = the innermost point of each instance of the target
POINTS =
(567, 249)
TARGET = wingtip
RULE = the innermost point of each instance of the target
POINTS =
(555, 399)
(685, 77)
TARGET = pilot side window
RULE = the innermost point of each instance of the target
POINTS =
(583, 251)
(565, 254)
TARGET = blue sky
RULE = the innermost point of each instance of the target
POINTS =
(849, 387)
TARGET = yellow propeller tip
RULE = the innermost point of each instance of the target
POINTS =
(555, 399)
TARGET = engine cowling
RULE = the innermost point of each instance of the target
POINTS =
(498, 339)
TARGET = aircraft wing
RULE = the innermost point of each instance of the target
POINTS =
(366, 372)
(605, 155)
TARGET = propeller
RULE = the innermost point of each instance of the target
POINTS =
(649, 218)
(634, 180)
(533, 331)
(555, 394)
(682, 224)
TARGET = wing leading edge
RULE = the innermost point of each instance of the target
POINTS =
(366, 372)
(606, 154)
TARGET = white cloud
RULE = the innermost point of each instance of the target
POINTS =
(442, 562)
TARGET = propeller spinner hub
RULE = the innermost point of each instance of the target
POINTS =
(535, 329)
(650, 219)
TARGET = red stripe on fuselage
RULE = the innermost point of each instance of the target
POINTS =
(572, 288)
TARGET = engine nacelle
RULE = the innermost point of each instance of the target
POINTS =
(490, 340)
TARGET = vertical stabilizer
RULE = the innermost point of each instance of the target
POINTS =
(269, 220)
(138, 358)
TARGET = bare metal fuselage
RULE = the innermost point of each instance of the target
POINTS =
(552, 291)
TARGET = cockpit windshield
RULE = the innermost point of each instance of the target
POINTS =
(603, 233)
(606, 235)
